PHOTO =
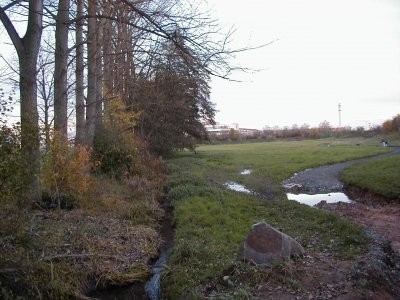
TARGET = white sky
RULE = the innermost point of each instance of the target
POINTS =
(328, 51)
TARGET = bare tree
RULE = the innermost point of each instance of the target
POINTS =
(79, 76)
(27, 49)
(46, 94)
(92, 77)
(60, 70)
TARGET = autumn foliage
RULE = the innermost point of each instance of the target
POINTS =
(65, 175)
(392, 125)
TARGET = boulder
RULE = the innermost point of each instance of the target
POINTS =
(265, 244)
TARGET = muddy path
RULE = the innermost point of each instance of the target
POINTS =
(325, 179)
(373, 275)
(379, 217)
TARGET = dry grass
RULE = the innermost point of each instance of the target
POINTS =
(55, 251)
(55, 254)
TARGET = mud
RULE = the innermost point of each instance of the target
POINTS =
(374, 274)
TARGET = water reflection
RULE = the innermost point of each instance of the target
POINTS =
(237, 187)
(311, 200)
(246, 172)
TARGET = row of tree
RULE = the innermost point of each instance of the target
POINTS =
(306, 131)
(153, 56)
(392, 125)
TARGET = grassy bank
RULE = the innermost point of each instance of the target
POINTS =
(211, 221)
(381, 177)
(61, 254)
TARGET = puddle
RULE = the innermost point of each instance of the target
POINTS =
(246, 172)
(237, 187)
(311, 200)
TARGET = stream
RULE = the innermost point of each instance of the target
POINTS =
(149, 290)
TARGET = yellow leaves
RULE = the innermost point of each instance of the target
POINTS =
(118, 117)
(66, 170)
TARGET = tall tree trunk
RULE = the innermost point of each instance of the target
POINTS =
(91, 90)
(60, 70)
(79, 76)
(99, 77)
(28, 50)
(107, 69)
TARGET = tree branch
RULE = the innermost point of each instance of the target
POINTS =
(9, 5)
(12, 32)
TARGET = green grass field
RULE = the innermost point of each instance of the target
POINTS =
(211, 221)
(381, 177)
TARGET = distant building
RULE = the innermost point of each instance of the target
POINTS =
(224, 129)
(221, 129)
(249, 132)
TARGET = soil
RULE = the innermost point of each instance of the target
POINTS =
(374, 274)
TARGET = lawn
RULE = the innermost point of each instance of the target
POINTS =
(381, 177)
(211, 221)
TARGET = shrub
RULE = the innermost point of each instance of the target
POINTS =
(116, 149)
(65, 175)
(12, 165)
(116, 155)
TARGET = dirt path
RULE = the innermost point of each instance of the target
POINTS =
(383, 219)
(325, 179)
(373, 275)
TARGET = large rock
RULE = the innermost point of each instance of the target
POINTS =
(264, 245)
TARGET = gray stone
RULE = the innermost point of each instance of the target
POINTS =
(264, 245)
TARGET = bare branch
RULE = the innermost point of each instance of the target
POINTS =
(12, 32)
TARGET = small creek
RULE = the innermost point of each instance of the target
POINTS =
(149, 290)
(152, 287)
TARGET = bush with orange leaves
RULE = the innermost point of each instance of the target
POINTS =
(65, 175)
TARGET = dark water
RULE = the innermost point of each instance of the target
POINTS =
(152, 287)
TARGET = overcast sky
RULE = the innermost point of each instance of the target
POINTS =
(326, 52)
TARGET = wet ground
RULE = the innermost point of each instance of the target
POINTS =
(376, 273)
(325, 179)
(373, 215)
